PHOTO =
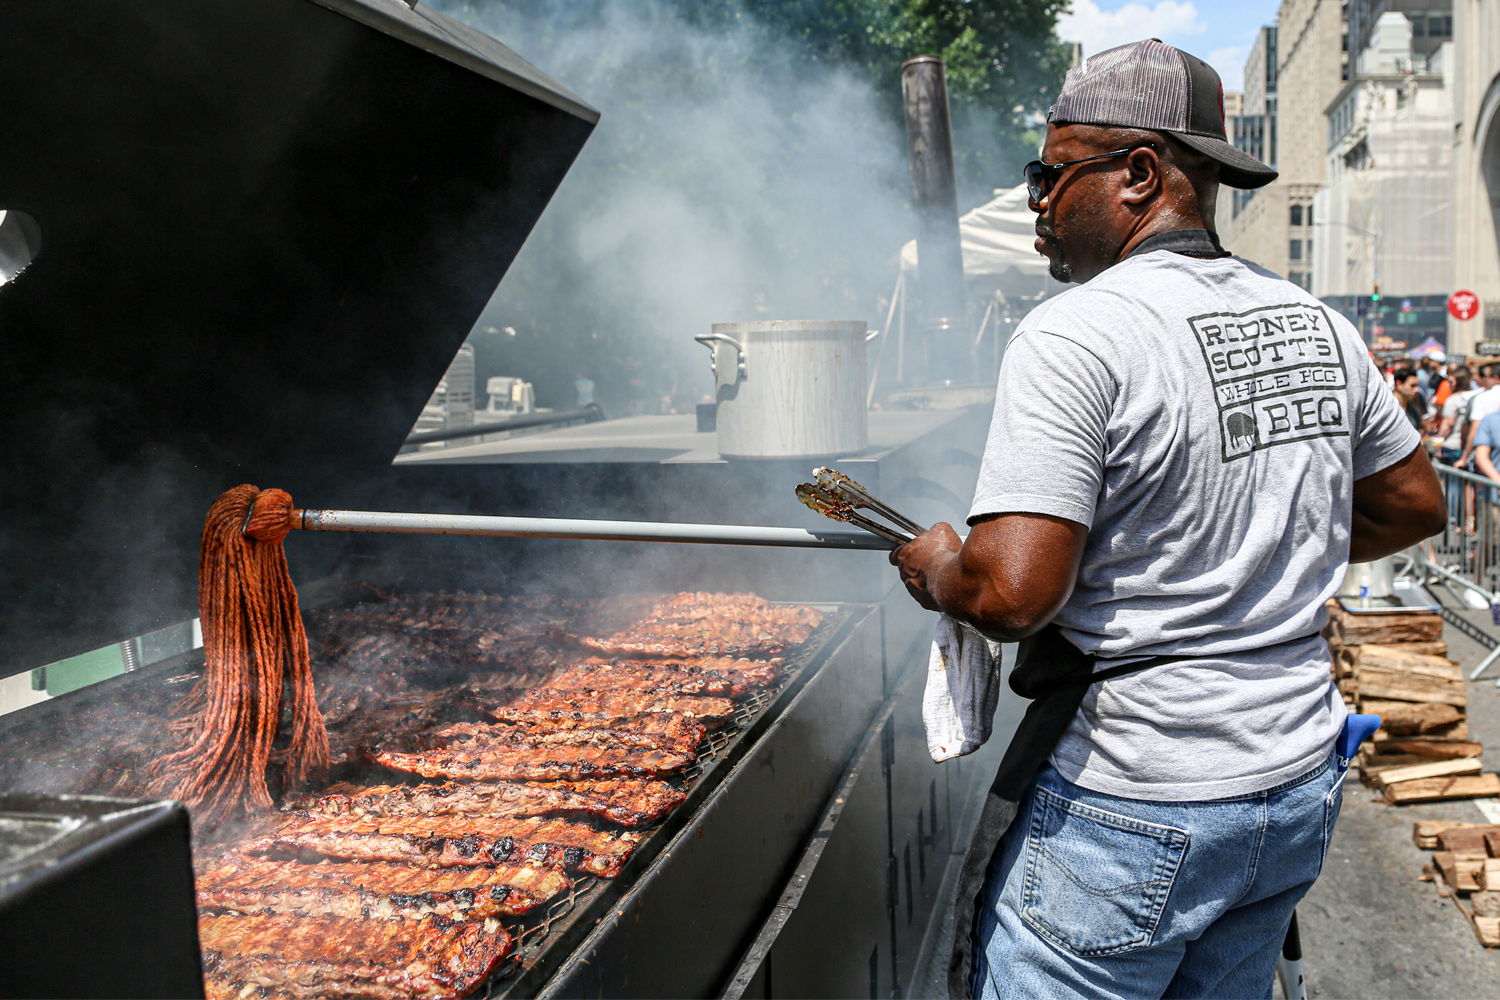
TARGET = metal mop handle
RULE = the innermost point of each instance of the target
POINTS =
(555, 527)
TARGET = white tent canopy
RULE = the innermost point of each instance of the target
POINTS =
(999, 254)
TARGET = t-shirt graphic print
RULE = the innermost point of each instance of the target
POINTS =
(1278, 375)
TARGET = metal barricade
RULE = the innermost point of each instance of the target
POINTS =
(1466, 556)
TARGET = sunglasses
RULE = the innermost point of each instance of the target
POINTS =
(1039, 174)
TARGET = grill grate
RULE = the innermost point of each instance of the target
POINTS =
(534, 934)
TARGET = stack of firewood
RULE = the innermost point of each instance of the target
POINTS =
(1466, 868)
(1395, 666)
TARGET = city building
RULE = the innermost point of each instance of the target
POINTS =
(1302, 54)
(1476, 168)
(1431, 23)
(1382, 222)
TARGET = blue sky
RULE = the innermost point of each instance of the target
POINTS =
(1217, 31)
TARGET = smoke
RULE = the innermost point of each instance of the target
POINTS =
(731, 177)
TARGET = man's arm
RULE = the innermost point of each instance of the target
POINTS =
(1007, 579)
(1396, 508)
(1485, 463)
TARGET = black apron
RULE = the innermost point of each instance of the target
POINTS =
(1056, 675)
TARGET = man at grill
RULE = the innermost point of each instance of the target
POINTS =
(1186, 452)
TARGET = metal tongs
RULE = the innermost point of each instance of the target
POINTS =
(837, 496)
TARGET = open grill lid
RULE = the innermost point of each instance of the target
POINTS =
(265, 227)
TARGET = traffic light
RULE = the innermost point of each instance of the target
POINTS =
(1375, 295)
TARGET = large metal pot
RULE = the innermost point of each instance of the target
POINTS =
(789, 388)
(1375, 580)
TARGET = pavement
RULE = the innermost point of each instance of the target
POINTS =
(1370, 929)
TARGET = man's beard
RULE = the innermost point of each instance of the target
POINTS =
(1060, 267)
(1058, 264)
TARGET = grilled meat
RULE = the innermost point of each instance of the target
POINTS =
(451, 841)
(257, 885)
(629, 801)
(335, 956)
(525, 762)
(537, 706)
(673, 731)
(709, 637)
(713, 676)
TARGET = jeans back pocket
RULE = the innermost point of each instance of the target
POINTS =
(1096, 882)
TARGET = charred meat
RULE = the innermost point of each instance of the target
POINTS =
(244, 884)
(629, 801)
(451, 841)
(335, 956)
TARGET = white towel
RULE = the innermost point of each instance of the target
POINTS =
(963, 685)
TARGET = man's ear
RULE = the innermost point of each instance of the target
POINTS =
(1143, 177)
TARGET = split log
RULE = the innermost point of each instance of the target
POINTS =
(1425, 832)
(1406, 718)
(1353, 630)
(1436, 769)
(1462, 873)
(1492, 843)
(1390, 657)
(1424, 747)
(1489, 875)
(1407, 685)
(1466, 840)
(1462, 786)
(1456, 731)
(1372, 766)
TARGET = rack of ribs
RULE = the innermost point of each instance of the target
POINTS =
(246, 884)
(628, 801)
(450, 841)
(710, 676)
(661, 731)
(529, 761)
(540, 705)
(336, 956)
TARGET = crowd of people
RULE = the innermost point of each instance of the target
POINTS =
(1457, 410)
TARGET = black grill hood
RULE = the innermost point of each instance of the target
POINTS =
(265, 228)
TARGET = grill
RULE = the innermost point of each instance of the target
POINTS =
(293, 344)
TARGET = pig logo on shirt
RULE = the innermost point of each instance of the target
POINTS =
(1241, 429)
(1278, 376)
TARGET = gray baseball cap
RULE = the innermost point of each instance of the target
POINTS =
(1152, 85)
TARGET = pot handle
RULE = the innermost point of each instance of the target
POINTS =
(708, 339)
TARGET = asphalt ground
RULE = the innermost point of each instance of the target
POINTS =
(1371, 930)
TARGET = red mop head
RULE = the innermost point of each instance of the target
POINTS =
(257, 659)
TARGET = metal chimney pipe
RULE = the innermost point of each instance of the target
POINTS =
(940, 263)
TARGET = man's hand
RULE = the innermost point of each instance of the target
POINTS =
(937, 545)
(1007, 579)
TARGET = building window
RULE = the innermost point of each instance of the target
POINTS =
(1309, 215)
(1296, 217)
(1439, 27)
(1295, 251)
(1309, 250)
(1302, 279)
(1418, 24)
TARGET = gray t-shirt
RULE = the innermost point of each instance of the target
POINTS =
(1206, 420)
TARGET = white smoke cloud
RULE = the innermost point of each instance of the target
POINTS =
(729, 178)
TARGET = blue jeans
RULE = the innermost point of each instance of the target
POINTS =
(1097, 896)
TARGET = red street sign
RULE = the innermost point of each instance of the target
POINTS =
(1463, 305)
